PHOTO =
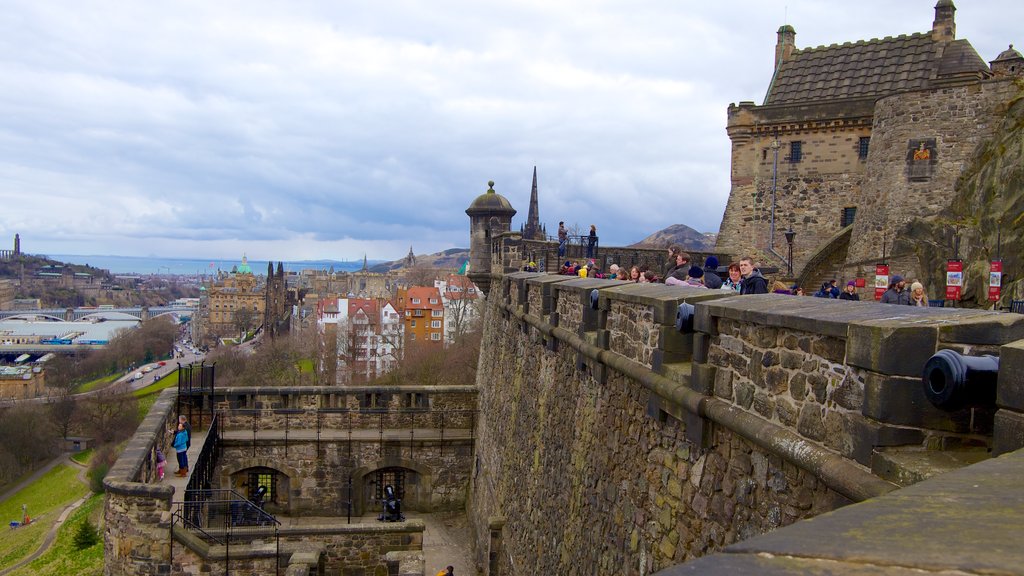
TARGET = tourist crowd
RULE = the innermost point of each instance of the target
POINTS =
(741, 277)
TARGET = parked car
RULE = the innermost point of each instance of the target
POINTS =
(138, 376)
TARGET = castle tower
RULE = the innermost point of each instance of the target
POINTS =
(944, 26)
(489, 215)
(532, 229)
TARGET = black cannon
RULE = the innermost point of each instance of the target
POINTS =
(952, 381)
(392, 506)
(250, 513)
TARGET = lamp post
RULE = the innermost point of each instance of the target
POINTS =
(790, 234)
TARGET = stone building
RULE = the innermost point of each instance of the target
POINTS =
(20, 382)
(227, 296)
(855, 139)
(7, 293)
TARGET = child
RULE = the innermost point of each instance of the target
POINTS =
(161, 461)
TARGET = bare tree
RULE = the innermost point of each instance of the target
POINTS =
(421, 275)
(243, 319)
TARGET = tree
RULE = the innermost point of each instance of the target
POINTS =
(421, 275)
(86, 535)
(243, 319)
(63, 411)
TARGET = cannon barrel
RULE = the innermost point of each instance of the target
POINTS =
(953, 381)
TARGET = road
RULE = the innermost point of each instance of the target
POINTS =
(126, 383)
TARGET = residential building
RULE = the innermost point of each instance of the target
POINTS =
(461, 313)
(424, 315)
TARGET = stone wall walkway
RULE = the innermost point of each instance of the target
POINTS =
(447, 541)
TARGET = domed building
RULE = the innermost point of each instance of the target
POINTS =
(235, 302)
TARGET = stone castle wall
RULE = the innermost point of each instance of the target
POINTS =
(608, 442)
(810, 194)
(958, 119)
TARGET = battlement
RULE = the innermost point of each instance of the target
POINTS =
(678, 438)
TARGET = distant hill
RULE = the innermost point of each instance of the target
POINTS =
(452, 258)
(682, 235)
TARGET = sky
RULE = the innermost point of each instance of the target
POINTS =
(329, 130)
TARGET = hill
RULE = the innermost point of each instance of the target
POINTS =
(682, 235)
(452, 258)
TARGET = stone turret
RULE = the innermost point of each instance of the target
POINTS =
(944, 26)
(1008, 63)
(17, 237)
(489, 215)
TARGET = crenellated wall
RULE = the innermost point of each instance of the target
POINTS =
(610, 442)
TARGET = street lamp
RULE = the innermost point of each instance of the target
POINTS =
(790, 234)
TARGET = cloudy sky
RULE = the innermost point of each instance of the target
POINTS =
(308, 129)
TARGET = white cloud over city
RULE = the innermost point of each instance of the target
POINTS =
(307, 130)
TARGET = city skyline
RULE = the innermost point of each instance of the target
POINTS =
(321, 131)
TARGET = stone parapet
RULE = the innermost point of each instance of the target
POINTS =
(136, 509)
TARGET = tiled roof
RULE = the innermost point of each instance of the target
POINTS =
(870, 68)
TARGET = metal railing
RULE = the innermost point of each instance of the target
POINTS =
(223, 517)
(346, 421)
(202, 472)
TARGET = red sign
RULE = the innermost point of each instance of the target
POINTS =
(881, 280)
(860, 282)
(995, 280)
(954, 279)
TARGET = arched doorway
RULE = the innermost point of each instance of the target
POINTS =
(276, 484)
(406, 482)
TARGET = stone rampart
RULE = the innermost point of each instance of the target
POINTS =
(610, 442)
(136, 509)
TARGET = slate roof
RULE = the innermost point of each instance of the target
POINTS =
(870, 68)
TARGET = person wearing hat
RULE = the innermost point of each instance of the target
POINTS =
(850, 292)
(897, 292)
(711, 278)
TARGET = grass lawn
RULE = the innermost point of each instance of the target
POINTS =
(83, 456)
(147, 396)
(62, 557)
(166, 382)
(45, 498)
(93, 384)
(305, 365)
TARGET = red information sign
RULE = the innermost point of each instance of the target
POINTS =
(881, 280)
(954, 279)
(995, 280)
(860, 282)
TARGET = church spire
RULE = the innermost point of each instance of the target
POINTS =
(364, 262)
(532, 228)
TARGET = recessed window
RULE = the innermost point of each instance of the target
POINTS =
(796, 152)
(862, 147)
(848, 216)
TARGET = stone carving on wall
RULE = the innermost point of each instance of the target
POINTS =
(921, 159)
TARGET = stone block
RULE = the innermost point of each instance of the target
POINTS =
(866, 435)
(891, 346)
(901, 402)
(702, 378)
(983, 327)
(671, 340)
(1010, 389)
(811, 424)
(1008, 433)
(700, 342)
